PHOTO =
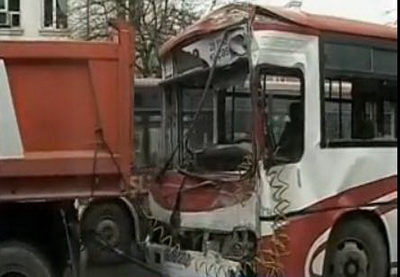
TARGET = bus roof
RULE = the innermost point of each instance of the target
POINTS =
(234, 14)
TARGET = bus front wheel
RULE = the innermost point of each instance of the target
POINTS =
(356, 248)
(112, 224)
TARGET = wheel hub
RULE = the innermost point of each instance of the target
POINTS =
(351, 268)
(351, 260)
(108, 231)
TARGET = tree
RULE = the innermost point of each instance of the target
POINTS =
(154, 22)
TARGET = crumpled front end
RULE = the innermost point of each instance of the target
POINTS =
(175, 263)
(209, 231)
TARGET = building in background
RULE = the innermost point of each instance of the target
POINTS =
(34, 19)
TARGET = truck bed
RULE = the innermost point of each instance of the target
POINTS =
(65, 118)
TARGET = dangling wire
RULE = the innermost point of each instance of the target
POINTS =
(271, 258)
(202, 265)
(163, 237)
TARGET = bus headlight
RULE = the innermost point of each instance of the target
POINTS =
(237, 43)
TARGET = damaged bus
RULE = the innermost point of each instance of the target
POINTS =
(280, 140)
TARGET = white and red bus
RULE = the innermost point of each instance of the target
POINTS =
(317, 193)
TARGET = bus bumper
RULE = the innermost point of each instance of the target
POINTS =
(177, 263)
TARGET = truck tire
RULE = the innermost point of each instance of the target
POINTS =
(112, 224)
(356, 248)
(19, 259)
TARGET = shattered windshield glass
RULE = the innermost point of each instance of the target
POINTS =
(225, 117)
(201, 135)
(222, 129)
(211, 100)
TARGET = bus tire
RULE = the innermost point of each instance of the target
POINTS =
(356, 245)
(23, 260)
(113, 225)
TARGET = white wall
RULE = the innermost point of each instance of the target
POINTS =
(31, 24)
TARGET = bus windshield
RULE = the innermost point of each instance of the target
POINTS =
(222, 129)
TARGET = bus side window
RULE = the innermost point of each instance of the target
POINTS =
(360, 109)
(285, 115)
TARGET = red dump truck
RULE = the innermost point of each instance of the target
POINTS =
(65, 134)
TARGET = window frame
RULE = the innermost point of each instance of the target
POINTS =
(170, 128)
(270, 69)
(54, 17)
(10, 13)
(378, 44)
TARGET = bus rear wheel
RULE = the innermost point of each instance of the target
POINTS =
(356, 249)
(21, 260)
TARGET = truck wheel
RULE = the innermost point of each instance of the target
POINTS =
(110, 223)
(21, 260)
(357, 249)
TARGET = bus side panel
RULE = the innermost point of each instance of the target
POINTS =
(306, 235)
(390, 221)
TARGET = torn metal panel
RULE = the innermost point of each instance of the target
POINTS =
(216, 21)
(223, 219)
(201, 193)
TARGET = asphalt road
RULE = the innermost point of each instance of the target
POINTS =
(120, 270)
(124, 270)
